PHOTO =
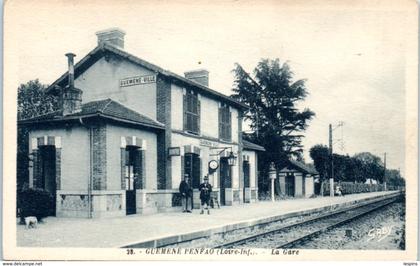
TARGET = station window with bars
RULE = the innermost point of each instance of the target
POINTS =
(191, 112)
(225, 123)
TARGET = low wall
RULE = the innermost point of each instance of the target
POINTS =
(352, 188)
(103, 204)
(112, 203)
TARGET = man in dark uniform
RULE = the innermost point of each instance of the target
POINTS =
(186, 194)
(205, 193)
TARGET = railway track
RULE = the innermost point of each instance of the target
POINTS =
(293, 235)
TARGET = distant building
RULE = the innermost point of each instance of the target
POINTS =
(297, 179)
(371, 181)
(129, 130)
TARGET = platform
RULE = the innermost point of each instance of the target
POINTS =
(150, 229)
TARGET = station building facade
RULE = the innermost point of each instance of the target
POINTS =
(127, 133)
(296, 179)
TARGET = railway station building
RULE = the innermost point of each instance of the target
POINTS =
(296, 179)
(128, 131)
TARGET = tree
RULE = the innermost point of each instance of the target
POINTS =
(372, 166)
(274, 118)
(351, 169)
(394, 178)
(320, 156)
(32, 101)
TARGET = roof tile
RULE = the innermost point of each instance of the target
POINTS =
(107, 108)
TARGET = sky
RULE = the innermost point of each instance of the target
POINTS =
(353, 54)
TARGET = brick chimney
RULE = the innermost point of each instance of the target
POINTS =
(112, 36)
(71, 97)
(200, 76)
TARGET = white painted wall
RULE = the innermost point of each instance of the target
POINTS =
(309, 186)
(209, 117)
(209, 114)
(234, 113)
(176, 107)
(101, 81)
(74, 155)
(252, 167)
(298, 185)
(113, 146)
(178, 140)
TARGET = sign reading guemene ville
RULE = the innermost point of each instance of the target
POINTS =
(132, 81)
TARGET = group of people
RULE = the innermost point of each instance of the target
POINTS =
(186, 191)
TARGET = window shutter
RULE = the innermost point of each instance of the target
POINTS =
(37, 168)
(143, 169)
(138, 170)
(229, 127)
(201, 170)
(184, 108)
(127, 157)
(198, 115)
(220, 123)
(182, 168)
(123, 162)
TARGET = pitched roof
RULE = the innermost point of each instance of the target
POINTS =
(308, 169)
(107, 108)
(252, 146)
(104, 48)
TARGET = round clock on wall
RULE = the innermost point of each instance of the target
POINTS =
(213, 164)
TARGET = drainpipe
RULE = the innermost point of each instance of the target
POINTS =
(90, 166)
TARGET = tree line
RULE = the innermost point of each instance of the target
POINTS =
(359, 168)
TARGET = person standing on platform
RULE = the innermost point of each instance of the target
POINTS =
(186, 194)
(205, 193)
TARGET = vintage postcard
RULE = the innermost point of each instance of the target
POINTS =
(210, 130)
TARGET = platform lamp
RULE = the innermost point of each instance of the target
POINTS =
(231, 159)
(272, 172)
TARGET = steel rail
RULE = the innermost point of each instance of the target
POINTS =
(307, 237)
(309, 221)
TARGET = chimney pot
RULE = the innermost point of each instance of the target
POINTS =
(70, 60)
(71, 96)
(112, 36)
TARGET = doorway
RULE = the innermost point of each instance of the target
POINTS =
(225, 178)
(192, 168)
(48, 173)
(132, 180)
(290, 184)
(246, 170)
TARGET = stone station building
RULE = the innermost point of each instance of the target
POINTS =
(129, 130)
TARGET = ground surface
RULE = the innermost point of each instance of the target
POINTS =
(381, 229)
(117, 232)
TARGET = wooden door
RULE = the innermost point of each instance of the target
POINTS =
(224, 178)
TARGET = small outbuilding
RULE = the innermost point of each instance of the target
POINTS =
(297, 179)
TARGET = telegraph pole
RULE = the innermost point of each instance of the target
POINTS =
(385, 171)
(331, 162)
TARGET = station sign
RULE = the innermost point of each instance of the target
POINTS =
(133, 81)
(208, 143)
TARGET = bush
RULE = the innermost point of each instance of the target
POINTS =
(36, 202)
(176, 199)
(352, 188)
